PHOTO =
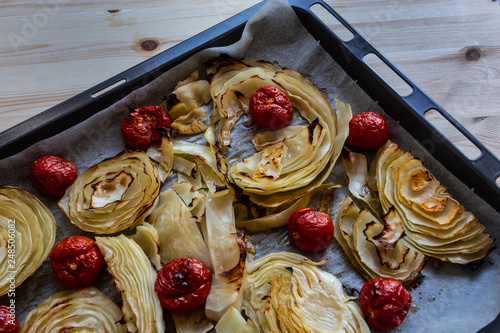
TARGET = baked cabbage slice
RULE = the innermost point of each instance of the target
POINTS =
(85, 310)
(288, 293)
(135, 279)
(148, 238)
(179, 234)
(376, 247)
(28, 228)
(228, 253)
(294, 160)
(435, 223)
(114, 194)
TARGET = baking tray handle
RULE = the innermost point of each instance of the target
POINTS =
(486, 165)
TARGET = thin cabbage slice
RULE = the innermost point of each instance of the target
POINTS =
(228, 253)
(233, 322)
(184, 106)
(376, 248)
(179, 234)
(281, 216)
(305, 158)
(25, 219)
(148, 238)
(194, 322)
(85, 310)
(113, 195)
(288, 292)
(356, 168)
(135, 279)
(434, 222)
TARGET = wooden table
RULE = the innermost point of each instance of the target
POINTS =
(54, 49)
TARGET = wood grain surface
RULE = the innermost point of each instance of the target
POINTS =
(53, 49)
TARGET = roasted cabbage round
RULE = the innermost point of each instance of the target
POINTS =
(288, 162)
(376, 247)
(289, 293)
(434, 222)
(113, 195)
(135, 278)
(27, 234)
(85, 310)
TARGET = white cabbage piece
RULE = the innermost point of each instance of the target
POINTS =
(148, 238)
(356, 168)
(233, 322)
(179, 234)
(376, 248)
(184, 106)
(280, 217)
(162, 155)
(277, 173)
(228, 253)
(28, 224)
(85, 310)
(434, 222)
(135, 279)
(208, 164)
(193, 198)
(287, 292)
(114, 194)
(194, 322)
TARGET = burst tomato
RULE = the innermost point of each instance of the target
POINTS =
(270, 108)
(183, 285)
(52, 175)
(76, 262)
(384, 302)
(8, 321)
(367, 131)
(142, 127)
(310, 230)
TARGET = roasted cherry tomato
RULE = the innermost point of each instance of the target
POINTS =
(8, 321)
(52, 175)
(142, 127)
(183, 285)
(270, 108)
(384, 302)
(76, 262)
(310, 230)
(367, 131)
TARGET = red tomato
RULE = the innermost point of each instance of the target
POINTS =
(8, 321)
(76, 262)
(270, 108)
(367, 131)
(52, 175)
(310, 230)
(384, 302)
(183, 285)
(142, 127)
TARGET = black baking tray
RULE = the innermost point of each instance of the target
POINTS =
(479, 174)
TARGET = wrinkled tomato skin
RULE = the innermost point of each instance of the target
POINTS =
(270, 108)
(142, 127)
(310, 230)
(384, 302)
(52, 175)
(183, 285)
(367, 131)
(8, 323)
(76, 262)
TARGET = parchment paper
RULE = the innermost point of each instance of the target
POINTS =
(453, 298)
